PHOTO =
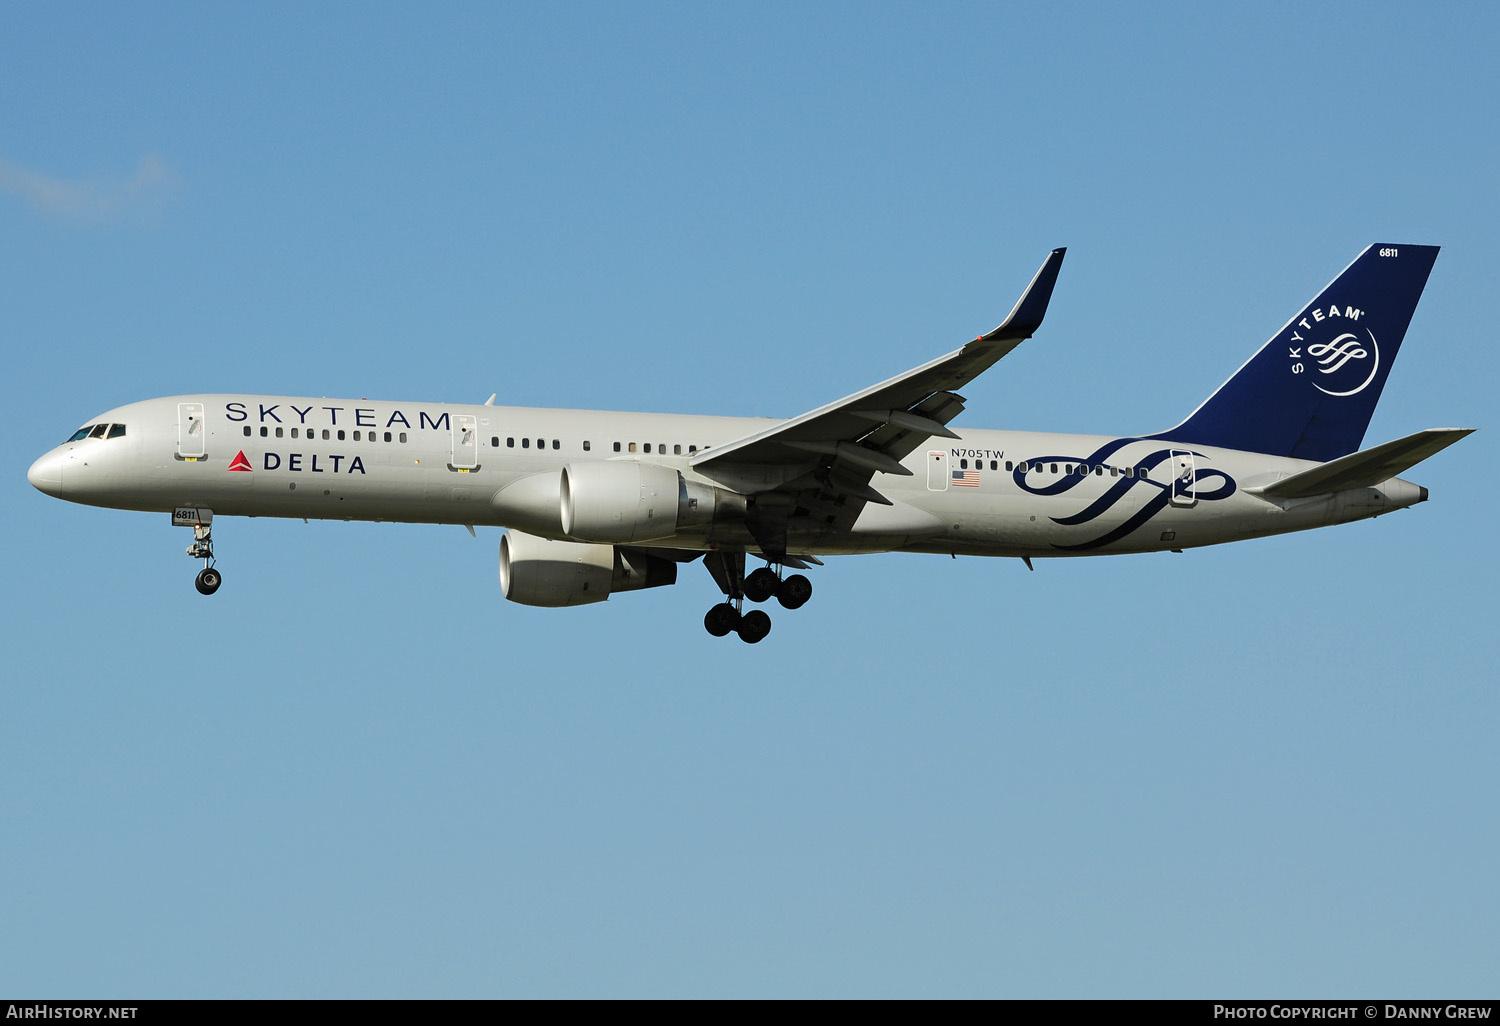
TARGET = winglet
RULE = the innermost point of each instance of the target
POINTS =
(1032, 306)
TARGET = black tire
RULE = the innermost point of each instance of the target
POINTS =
(721, 619)
(794, 591)
(754, 626)
(208, 581)
(761, 584)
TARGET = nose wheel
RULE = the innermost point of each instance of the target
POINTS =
(208, 581)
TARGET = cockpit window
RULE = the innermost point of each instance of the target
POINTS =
(117, 431)
(99, 430)
(81, 433)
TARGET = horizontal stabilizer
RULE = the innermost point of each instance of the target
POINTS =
(1365, 468)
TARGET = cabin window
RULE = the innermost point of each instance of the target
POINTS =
(247, 430)
(632, 447)
(556, 444)
(692, 449)
(1009, 467)
(494, 441)
(617, 447)
(264, 431)
(1054, 468)
(648, 446)
(526, 443)
(341, 434)
(541, 443)
(278, 432)
(586, 445)
(356, 436)
(510, 443)
(403, 437)
(294, 432)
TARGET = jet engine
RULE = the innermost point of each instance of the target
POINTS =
(541, 572)
(629, 501)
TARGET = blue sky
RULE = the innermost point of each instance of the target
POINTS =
(1266, 769)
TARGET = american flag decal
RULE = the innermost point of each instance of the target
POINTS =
(966, 479)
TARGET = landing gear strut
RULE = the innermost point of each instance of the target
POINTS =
(201, 521)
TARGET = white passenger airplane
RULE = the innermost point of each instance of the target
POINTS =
(598, 503)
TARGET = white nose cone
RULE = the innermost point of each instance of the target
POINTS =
(45, 474)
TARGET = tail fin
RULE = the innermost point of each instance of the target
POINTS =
(1311, 390)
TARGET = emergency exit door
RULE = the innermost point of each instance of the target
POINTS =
(937, 471)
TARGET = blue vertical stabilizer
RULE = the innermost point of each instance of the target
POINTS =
(1310, 391)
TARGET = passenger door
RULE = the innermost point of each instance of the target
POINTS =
(465, 442)
(190, 431)
(1184, 476)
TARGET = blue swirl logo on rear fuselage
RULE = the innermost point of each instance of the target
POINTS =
(1223, 487)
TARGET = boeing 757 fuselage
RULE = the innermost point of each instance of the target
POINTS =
(598, 502)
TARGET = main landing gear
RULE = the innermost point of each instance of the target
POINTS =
(728, 570)
(201, 521)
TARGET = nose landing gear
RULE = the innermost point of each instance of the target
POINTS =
(201, 521)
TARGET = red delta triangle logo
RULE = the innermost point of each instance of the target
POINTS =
(239, 462)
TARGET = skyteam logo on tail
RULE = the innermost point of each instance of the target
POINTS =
(1341, 362)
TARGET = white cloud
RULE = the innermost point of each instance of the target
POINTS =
(92, 200)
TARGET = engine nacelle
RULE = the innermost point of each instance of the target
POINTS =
(541, 572)
(619, 501)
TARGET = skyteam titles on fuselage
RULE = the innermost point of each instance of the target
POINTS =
(364, 417)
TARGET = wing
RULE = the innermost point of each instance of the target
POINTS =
(817, 468)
